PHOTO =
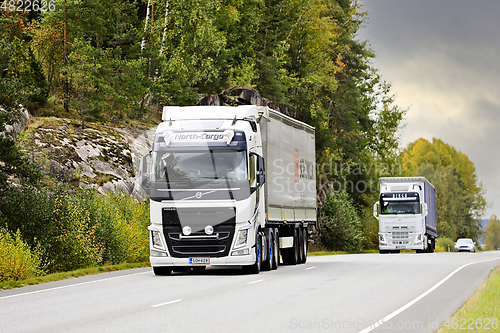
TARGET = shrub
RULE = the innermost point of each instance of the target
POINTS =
(73, 243)
(445, 244)
(78, 229)
(340, 224)
(17, 260)
(122, 228)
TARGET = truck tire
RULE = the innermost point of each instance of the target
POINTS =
(432, 245)
(162, 270)
(267, 263)
(276, 249)
(304, 246)
(383, 251)
(255, 268)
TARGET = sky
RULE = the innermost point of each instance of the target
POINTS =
(442, 58)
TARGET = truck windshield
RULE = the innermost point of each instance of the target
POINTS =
(399, 207)
(182, 166)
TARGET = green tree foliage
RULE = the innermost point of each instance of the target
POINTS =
(104, 65)
(21, 77)
(193, 45)
(459, 195)
(493, 234)
(303, 55)
(340, 223)
(77, 229)
(16, 86)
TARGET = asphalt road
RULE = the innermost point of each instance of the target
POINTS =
(406, 292)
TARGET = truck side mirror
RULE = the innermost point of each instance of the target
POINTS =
(260, 164)
(424, 209)
(144, 179)
(375, 209)
(261, 178)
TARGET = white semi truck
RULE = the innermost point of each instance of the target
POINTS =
(406, 212)
(229, 186)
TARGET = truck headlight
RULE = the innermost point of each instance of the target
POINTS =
(241, 252)
(381, 238)
(419, 237)
(241, 239)
(155, 253)
(156, 239)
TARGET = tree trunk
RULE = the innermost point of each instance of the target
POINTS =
(65, 73)
(143, 44)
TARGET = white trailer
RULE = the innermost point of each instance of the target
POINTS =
(406, 212)
(229, 186)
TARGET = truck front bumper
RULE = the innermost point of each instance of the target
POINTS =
(415, 246)
(184, 262)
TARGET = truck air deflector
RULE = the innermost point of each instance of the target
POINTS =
(213, 138)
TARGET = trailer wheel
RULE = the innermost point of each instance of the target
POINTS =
(255, 268)
(276, 249)
(304, 246)
(162, 270)
(296, 246)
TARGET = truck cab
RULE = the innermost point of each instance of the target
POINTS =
(205, 179)
(406, 213)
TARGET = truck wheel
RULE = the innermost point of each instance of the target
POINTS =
(162, 270)
(296, 246)
(267, 263)
(431, 246)
(304, 246)
(383, 251)
(255, 268)
(276, 249)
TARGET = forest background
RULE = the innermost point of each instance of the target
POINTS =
(120, 61)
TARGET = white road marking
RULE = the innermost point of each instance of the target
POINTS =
(71, 285)
(308, 268)
(407, 305)
(166, 303)
(257, 281)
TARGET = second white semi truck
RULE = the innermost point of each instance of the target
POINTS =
(229, 186)
(406, 212)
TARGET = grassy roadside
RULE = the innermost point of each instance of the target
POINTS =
(481, 312)
(69, 275)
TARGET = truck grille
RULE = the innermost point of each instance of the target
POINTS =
(400, 237)
(199, 250)
(222, 219)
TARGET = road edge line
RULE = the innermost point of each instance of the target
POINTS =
(70, 285)
(415, 300)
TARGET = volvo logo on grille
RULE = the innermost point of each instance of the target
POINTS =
(198, 195)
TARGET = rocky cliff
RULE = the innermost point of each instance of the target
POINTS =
(98, 156)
